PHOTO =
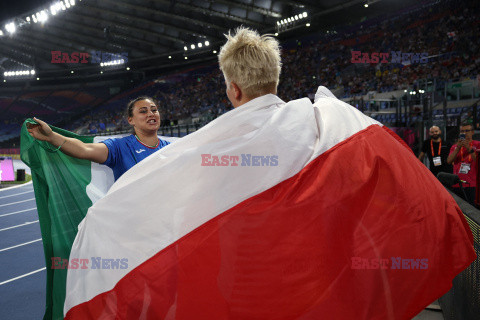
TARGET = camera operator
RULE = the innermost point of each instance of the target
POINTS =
(463, 156)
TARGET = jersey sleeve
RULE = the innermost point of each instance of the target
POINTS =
(113, 152)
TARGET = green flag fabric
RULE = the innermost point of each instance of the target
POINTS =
(65, 188)
(60, 183)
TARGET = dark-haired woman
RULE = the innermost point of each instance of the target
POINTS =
(119, 154)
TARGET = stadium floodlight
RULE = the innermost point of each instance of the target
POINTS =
(305, 14)
(276, 34)
(185, 48)
(128, 68)
(366, 5)
(71, 71)
(63, 6)
(1, 33)
(67, 3)
(42, 16)
(207, 43)
(278, 23)
(308, 25)
(186, 58)
(296, 17)
(32, 72)
(169, 57)
(199, 45)
(72, 2)
(10, 27)
(192, 46)
(28, 19)
(214, 51)
(38, 79)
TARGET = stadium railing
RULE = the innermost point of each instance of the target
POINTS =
(463, 300)
(169, 131)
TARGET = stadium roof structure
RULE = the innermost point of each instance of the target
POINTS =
(147, 35)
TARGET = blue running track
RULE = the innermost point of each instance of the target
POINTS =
(22, 264)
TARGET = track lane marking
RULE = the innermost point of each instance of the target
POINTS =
(19, 225)
(22, 276)
(21, 244)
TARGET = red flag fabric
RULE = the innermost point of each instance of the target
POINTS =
(361, 231)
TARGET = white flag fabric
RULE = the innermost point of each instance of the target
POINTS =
(220, 224)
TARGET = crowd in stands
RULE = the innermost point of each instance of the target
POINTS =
(447, 30)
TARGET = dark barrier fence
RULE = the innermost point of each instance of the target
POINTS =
(10, 151)
(169, 131)
(462, 302)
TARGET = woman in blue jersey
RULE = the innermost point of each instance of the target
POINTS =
(119, 154)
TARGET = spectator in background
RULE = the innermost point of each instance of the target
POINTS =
(463, 156)
(437, 152)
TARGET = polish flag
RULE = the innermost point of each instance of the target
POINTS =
(347, 225)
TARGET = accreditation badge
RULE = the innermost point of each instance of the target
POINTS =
(464, 168)
(437, 161)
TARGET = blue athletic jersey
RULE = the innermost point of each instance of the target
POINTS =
(124, 153)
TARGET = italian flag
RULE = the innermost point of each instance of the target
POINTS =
(65, 188)
(346, 224)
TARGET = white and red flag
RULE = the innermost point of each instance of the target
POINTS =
(326, 215)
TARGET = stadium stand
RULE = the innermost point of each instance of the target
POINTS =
(198, 94)
(325, 59)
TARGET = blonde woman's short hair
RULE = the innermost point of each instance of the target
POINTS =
(251, 61)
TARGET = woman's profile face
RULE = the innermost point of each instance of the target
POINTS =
(145, 116)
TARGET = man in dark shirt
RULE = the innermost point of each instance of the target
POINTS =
(437, 152)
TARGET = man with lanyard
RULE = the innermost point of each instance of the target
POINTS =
(463, 156)
(437, 152)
